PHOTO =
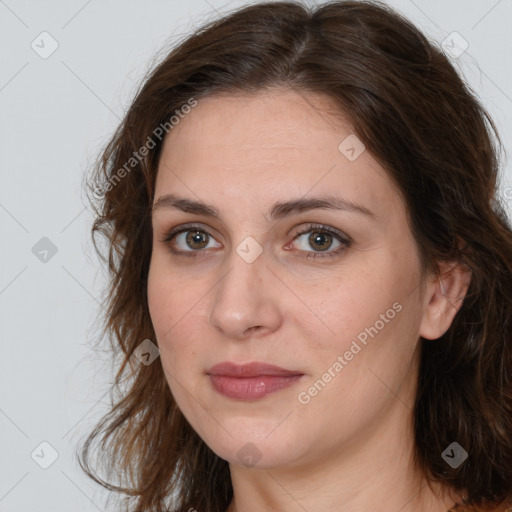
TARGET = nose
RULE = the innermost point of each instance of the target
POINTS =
(245, 304)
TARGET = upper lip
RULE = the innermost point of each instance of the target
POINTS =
(255, 369)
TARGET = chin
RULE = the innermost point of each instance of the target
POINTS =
(260, 446)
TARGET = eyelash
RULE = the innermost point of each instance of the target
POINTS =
(344, 240)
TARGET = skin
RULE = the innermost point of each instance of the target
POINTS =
(350, 447)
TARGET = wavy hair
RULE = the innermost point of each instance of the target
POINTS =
(426, 127)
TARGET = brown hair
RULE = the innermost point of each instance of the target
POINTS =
(419, 119)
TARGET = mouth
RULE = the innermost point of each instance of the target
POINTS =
(251, 381)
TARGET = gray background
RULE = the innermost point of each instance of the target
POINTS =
(55, 115)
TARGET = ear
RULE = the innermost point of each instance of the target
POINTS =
(444, 295)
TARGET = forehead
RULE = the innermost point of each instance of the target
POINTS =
(268, 144)
(263, 120)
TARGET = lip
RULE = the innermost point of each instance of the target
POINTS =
(256, 369)
(251, 381)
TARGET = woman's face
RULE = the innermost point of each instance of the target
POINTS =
(267, 275)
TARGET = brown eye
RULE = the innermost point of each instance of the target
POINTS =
(190, 241)
(320, 241)
(197, 239)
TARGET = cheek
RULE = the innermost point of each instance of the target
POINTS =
(370, 318)
(161, 302)
(342, 307)
(168, 309)
(170, 298)
(177, 311)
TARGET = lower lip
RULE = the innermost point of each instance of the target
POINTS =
(251, 388)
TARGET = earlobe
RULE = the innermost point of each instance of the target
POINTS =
(443, 299)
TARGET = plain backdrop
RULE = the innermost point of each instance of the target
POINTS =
(56, 111)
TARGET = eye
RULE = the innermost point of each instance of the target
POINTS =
(317, 239)
(191, 239)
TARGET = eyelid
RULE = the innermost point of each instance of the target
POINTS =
(168, 235)
(322, 227)
(344, 240)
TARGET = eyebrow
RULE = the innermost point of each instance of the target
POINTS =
(278, 211)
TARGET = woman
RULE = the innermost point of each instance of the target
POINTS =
(302, 215)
